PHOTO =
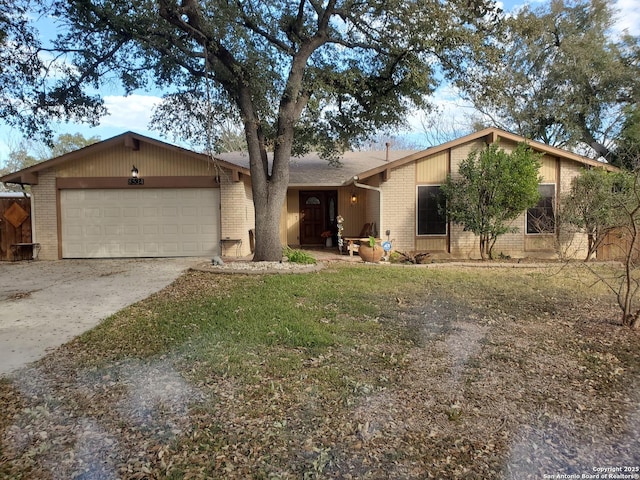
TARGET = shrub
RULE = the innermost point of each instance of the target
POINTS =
(298, 256)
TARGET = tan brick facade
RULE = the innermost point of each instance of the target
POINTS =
(399, 206)
(237, 214)
(45, 214)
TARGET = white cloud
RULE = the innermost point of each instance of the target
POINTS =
(627, 12)
(132, 112)
(628, 16)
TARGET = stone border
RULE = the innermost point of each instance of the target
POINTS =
(259, 268)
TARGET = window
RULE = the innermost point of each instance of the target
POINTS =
(541, 218)
(430, 219)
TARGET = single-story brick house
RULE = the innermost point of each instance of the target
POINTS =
(88, 204)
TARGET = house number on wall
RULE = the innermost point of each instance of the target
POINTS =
(136, 181)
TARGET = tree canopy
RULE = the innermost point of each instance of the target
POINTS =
(628, 143)
(34, 88)
(563, 77)
(492, 188)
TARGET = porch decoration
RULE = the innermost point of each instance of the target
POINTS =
(327, 235)
(370, 252)
(340, 227)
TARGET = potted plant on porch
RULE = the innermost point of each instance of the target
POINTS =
(370, 252)
(327, 236)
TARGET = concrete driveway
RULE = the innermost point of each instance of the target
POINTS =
(45, 304)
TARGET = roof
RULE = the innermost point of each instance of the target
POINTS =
(130, 139)
(311, 169)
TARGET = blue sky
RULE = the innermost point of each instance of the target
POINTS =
(133, 112)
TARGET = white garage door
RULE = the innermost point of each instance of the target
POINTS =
(168, 222)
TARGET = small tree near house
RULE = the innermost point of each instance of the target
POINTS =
(493, 188)
(616, 199)
(593, 205)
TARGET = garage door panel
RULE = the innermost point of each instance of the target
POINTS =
(169, 249)
(190, 247)
(93, 231)
(168, 194)
(189, 229)
(150, 212)
(189, 211)
(140, 223)
(151, 248)
(91, 213)
(169, 212)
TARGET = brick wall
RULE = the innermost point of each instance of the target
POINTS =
(571, 244)
(237, 215)
(45, 214)
(399, 207)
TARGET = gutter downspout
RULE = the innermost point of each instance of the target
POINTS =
(376, 189)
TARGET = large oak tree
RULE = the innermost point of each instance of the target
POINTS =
(564, 77)
(317, 74)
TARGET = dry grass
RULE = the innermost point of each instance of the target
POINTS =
(349, 373)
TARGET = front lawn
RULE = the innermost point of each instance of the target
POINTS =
(352, 372)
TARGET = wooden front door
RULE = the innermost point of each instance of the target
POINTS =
(317, 214)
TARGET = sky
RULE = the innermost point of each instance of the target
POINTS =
(132, 113)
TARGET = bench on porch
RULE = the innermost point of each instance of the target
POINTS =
(352, 243)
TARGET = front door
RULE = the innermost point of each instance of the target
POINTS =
(317, 215)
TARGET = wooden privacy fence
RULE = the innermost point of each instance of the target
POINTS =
(616, 245)
(15, 228)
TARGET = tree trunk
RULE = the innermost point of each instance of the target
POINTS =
(491, 241)
(483, 247)
(269, 183)
(630, 285)
(269, 194)
(268, 247)
(590, 244)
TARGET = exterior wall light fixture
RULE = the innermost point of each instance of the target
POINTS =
(135, 177)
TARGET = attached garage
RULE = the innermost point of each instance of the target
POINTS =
(167, 222)
(132, 196)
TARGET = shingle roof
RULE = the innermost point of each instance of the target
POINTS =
(311, 169)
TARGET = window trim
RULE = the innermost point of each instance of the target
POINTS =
(417, 215)
(553, 205)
